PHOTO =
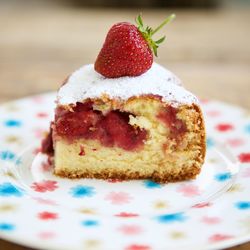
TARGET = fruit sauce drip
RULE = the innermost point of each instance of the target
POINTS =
(47, 143)
(110, 130)
(177, 126)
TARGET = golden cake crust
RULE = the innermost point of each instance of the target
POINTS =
(106, 174)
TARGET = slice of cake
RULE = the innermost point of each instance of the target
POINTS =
(126, 123)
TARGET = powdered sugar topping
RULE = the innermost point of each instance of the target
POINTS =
(87, 83)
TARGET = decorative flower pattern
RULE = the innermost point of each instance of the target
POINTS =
(47, 215)
(130, 229)
(44, 186)
(118, 198)
(189, 190)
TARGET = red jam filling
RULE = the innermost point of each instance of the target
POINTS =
(111, 130)
(177, 126)
(47, 143)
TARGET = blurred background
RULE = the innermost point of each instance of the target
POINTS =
(207, 46)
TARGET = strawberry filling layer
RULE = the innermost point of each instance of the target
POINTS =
(176, 126)
(110, 130)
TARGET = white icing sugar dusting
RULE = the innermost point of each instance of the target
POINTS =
(87, 83)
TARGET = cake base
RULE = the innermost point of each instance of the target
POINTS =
(186, 173)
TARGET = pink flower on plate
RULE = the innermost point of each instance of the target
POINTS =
(138, 247)
(210, 220)
(203, 100)
(202, 205)
(189, 190)
(235, 142)
(213, 113)
(126, 215)
(130, 229)
(42, 115)
(39, 132)
(45, 201)
(38, 99)
(246, 173)
(36, 151)
(219, 237)
(44, 186)
(47, 215)
(46, 235)
(46, 166)
(118, 198)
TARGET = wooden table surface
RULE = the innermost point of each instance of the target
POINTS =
(209, 50)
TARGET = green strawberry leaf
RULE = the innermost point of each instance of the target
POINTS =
(148, 32)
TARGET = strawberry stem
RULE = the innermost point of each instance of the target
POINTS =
(147, 32)
(167, 20)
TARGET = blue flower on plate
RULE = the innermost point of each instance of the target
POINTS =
(210, 142)
(247, 128)
(170, 218)
(18, 161)
(243, 205)
(6, 226)
(90, 223)
(151, 184)
(80, 191)
(7, 189)
(7, 155)
(223, 176)
(12, 123)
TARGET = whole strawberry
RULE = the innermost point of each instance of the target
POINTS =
(127, 50)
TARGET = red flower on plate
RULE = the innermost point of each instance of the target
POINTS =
(114, 180)
(224, 127)
(44, 186)
(126, 215)
(220, 237)
(138, 247)
(244, 157)
(47, 216)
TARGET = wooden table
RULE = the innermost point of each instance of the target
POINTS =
(208, 50)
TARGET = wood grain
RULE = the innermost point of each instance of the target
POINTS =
(208, 50)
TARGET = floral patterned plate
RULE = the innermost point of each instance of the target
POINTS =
(40, 210)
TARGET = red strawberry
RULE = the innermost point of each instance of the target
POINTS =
(127, 50)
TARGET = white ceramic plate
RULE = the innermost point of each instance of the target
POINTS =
(40, 210)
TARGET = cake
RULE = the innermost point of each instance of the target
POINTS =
(131, 126)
